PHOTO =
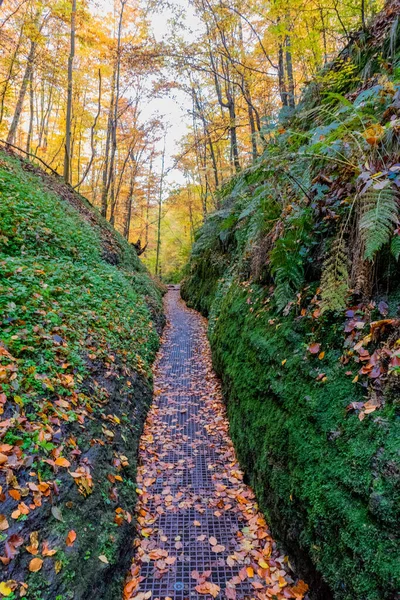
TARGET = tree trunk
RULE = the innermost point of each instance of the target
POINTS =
(31, 115)
(281, 77)
(67, 156)
(158, 267)
(146, 235)
(114, 123)
(129, 207)
(289, 71)
(22, 92)
(233, 134)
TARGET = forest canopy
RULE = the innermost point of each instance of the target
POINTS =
(76, 77)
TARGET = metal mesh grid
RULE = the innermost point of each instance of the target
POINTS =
(186, 490)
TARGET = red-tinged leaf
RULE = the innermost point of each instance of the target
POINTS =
(395, 361)
(16, 540)
(314, 348)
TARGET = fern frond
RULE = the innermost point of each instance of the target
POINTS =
(283, 294)
(380, 213)
(395, 246)
(335, 277)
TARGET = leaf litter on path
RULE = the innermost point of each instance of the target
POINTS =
(200, 533)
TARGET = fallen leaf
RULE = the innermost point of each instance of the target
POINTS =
(35, 565)
(56, 512)
(314, 348)
(3, 523)
(71, 537)
(104, 559)
(62, 462)
(208, 588)
(5, 590)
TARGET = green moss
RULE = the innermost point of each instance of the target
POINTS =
(323, 479)
(328, 482)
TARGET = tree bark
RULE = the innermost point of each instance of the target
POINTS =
(158, 266)
(31, 115)
(67, 155)
(289, 71)
(22, 92)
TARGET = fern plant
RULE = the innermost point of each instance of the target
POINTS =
(287, 269)
(335, 277)
(379, 216)
(395, 246)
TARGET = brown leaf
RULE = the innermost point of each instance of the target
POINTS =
(208, 588)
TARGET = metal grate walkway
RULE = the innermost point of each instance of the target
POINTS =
(199, 525)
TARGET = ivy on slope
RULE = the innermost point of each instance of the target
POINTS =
(298, 273)
(78, 336)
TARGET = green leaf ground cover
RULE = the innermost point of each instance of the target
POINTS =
(77, 339)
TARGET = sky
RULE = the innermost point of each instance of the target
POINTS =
(175, 107)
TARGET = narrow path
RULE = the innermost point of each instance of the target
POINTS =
(200, 532)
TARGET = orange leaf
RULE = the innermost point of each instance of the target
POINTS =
(15, 494)
(62, 462)
(35, 565)
(71, 537)
(250, 572)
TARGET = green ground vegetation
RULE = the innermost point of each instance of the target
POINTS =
(79, 324)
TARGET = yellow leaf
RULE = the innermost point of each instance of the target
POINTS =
(4, 589)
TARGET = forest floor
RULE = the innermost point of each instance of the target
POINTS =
(200, 534)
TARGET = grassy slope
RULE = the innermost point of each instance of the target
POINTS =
(79, 318)
(328, 482)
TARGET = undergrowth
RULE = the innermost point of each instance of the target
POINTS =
(298, 273)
